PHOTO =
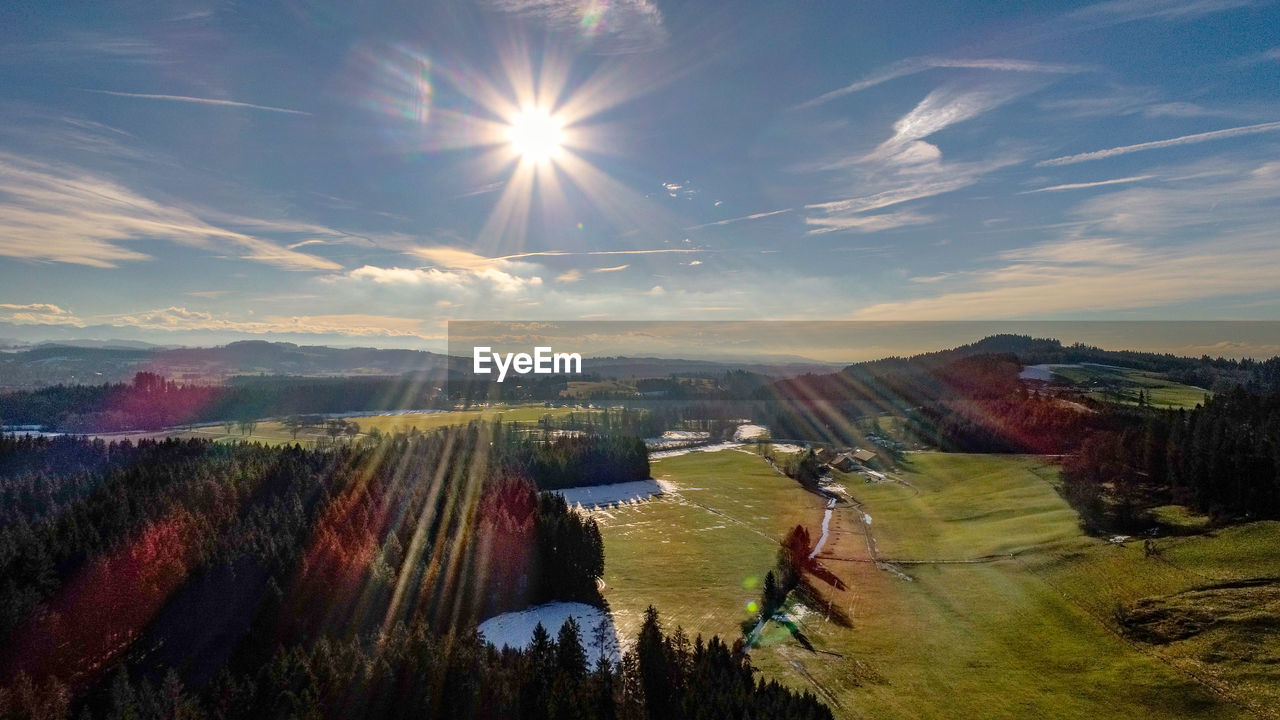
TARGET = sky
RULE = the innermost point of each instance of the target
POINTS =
(348, 173)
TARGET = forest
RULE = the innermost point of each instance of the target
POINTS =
(1221, 459)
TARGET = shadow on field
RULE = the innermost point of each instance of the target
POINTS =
(809, 595)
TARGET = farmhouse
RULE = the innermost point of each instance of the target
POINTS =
(846, 462)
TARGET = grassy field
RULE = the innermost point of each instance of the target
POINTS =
(699, 555)
(996, 605)
(273, 432)
(1122, 385)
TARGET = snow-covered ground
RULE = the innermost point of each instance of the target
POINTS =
(676, 438)
(786, 448)
(515, 629)
(1044, 373)
(701, 448)
(750, 432)
(594, 496)
(826, 529)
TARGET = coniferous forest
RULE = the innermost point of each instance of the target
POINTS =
(1221, 458)
(185, 578)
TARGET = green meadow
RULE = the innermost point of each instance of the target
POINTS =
(971, 593)
(1122, 385)
(716, 536)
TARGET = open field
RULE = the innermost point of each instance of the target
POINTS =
(699, 554)
(273, 432)
(997, 605)
(1116, 384)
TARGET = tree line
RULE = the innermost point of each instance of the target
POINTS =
(411, 672)
(152, 402)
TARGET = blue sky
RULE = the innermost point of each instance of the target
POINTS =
(341, 173)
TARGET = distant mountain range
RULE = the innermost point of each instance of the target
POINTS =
(97, 361)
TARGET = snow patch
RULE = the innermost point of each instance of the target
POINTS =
(685, 451)
(515, 629)
(826, 528)
(594, 496)
(750, 432)
(1043, 373)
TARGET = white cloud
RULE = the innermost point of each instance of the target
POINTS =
(448, 280)
(37, 314)
(906, 167)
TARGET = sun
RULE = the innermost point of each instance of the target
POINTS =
(535, 135)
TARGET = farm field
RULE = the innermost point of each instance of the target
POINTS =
(996, 606)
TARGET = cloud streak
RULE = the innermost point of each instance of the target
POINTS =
(744, 218)
(200, 101)
(913, 66)
(1157, 144)
(1084, 185)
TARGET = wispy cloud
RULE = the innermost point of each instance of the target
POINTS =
(59, 213)
(1137, 247)
(1094, 184)
(835, 222)
(178, 319)
(1122, 11)
(907, 167)
(1157, 144)
(620, 26)
(200, 101)
(913, 66)
(1072, 277)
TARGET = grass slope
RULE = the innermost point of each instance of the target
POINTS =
(699, 555)
(1017, 621)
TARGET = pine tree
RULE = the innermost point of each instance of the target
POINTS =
(571, 659)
